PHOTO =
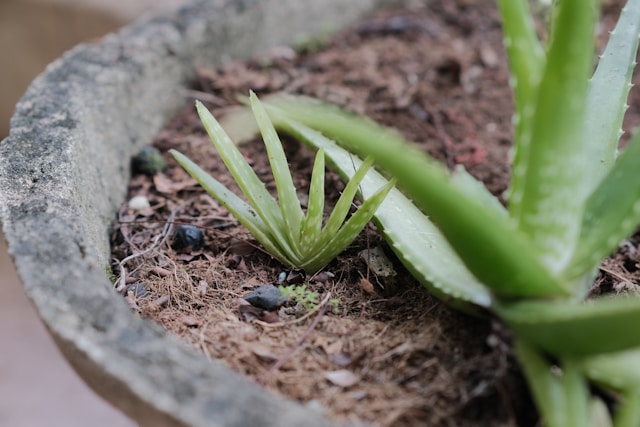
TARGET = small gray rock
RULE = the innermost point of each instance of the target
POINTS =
(267, 297)
(138, 289)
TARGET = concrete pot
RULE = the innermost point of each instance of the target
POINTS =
(63, 173)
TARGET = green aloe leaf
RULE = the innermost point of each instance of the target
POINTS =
(312, 224)
(545, 386)
(238, 207)
(599, 413)
(574, 328)
(628, 411)
(341, 209)
(619, 370)
(608, 91)
(476, 189)
(612, 212)
(526, 62)
(338, 242)
(563, 400)
(254, 190)
(548, 202)
(525, 53)
(290, 208)
(491, 248)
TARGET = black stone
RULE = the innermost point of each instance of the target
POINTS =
(187, 238)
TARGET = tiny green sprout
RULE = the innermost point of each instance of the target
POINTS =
(112, 277)
(296, 238)
(300, 294)
(335, 304)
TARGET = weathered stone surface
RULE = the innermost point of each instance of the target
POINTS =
(63, 173)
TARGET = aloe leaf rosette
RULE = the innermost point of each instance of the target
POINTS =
(296, 238)
(416, 241)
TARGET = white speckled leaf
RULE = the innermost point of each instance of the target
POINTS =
(575, 328)
(473, 188)
(620, 371)
(612, 212)
(608, 91)
(526, 62)
(550, 197)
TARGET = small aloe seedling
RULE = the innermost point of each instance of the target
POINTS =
(297, 239)
(572, 200)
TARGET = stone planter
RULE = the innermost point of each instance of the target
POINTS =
(63, 173)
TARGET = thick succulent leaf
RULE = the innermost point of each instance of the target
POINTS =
(476, 189)
(612, 212)
(339, 241)
(546, 387)
(253, 189)
(599, 415)
(608, 91)
(526, 62)
(576, 392)
(290, 208)
(628, 410)
(492, 249)
(415, 240)
(238, 208)
(574, 328)
(548, 204)
(312, 224)
(619, 371)
(562, 400)
(341, 209)
(525, 53)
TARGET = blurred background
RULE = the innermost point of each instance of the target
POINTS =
(37, 386)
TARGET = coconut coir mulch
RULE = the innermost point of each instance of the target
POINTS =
(390, 354)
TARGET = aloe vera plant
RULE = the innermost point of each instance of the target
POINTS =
(572, 200)
(297, 239)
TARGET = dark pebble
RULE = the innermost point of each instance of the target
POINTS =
(267, 297)
(187, 238)
(149, 161)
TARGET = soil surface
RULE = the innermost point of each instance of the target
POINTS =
(390, 353)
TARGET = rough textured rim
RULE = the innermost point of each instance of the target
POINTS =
(63, 173)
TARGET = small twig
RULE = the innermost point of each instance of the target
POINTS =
(614, 274)
(158, 241)
(205, 96)
(282, 360)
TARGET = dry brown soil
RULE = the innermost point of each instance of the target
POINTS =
(391, 354)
